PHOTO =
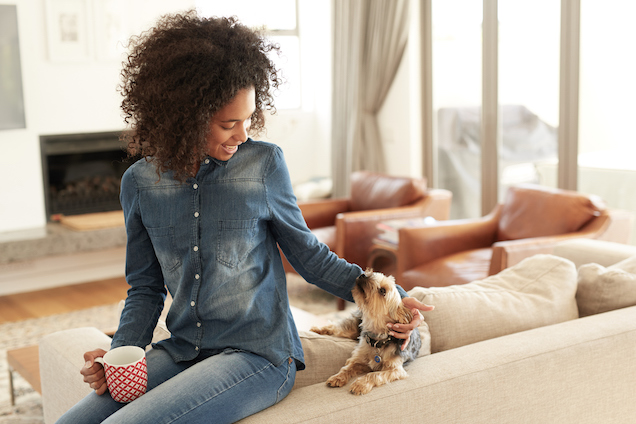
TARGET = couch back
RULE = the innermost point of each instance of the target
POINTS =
(378, 191)
(536, 211)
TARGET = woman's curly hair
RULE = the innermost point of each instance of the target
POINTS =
(179, 74)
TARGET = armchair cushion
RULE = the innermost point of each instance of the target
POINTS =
(603, 289)
(454, 269)
(562, 211)
(377, 191)
(538, 291)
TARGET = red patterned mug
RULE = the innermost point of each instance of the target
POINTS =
(126, 372)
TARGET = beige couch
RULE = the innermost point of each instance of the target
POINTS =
(507, 349)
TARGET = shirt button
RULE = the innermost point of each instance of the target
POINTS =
(192, 303)
(207, 161)
(196, 348)
(196, 214)
(197, 276)
(195, 186)
(195, 248)
(198, 324)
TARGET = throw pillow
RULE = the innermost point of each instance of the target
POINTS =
(605, 289)
(537, 291)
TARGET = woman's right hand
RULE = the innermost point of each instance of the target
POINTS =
(93, 372)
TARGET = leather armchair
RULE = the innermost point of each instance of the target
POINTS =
(348, 225)
(532, 220)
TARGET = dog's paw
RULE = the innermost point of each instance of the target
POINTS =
(326, 331)
(337, 380)
(361, 386)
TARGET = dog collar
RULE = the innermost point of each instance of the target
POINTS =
(383, 342)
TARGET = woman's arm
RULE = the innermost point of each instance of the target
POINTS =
(147, 292)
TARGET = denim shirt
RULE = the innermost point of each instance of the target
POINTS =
(212, 242)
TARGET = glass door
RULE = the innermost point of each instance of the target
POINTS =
(457, 65)
(529, 34)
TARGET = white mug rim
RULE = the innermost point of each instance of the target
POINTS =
(136, 348)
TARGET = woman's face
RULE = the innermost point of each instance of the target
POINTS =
(230, 125)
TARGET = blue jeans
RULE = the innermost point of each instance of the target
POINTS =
(223, 388)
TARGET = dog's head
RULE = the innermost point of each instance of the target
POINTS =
(378, 299)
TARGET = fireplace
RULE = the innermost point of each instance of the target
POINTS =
(82, 172)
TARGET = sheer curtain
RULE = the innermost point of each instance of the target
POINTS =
(369, 40)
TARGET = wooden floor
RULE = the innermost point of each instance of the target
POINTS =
(37, 304)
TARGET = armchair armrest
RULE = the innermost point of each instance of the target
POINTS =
(355, 230)
(424, 244)
(437, 204)
(619, 227)
(510, 252)
(322, 213)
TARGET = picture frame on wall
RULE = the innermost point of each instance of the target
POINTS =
(111, 29)
(67, 29)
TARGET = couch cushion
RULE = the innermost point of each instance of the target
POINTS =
(603, 289)
(538, 291)
(535, 211)
(378, 191)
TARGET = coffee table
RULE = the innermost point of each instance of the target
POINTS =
(26, 362)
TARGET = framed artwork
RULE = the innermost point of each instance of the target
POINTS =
(110, 29)
(68, 36)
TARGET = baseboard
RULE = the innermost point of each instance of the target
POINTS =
(63, 270)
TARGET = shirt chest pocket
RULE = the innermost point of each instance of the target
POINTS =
(164, 245)
(235, 240)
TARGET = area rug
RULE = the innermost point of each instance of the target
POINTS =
(28, 407)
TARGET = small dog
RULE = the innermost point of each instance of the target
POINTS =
(377, 354)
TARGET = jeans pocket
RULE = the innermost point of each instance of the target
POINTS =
(289, 367)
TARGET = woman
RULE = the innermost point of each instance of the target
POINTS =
(206, 209)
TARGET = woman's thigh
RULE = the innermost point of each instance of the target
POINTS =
(225, 388)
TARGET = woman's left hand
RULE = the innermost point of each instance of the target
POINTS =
(403, 331)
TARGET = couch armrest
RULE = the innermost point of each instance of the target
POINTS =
(419, 245)
(322, 213)
(61, 358)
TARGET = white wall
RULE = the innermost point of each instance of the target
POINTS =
(81, 97)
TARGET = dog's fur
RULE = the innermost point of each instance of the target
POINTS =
(379, 303)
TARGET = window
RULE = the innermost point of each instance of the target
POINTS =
(279, 18)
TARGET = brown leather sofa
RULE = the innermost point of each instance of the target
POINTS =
(348, 225)
(532, 219)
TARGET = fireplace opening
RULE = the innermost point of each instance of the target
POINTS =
(82, 172)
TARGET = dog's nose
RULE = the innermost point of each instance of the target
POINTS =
(361, 281)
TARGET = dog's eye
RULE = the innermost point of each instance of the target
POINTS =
(382, 291)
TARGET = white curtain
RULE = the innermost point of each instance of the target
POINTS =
(369, 41)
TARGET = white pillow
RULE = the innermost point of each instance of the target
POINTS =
(605, 289)
(538, 291)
